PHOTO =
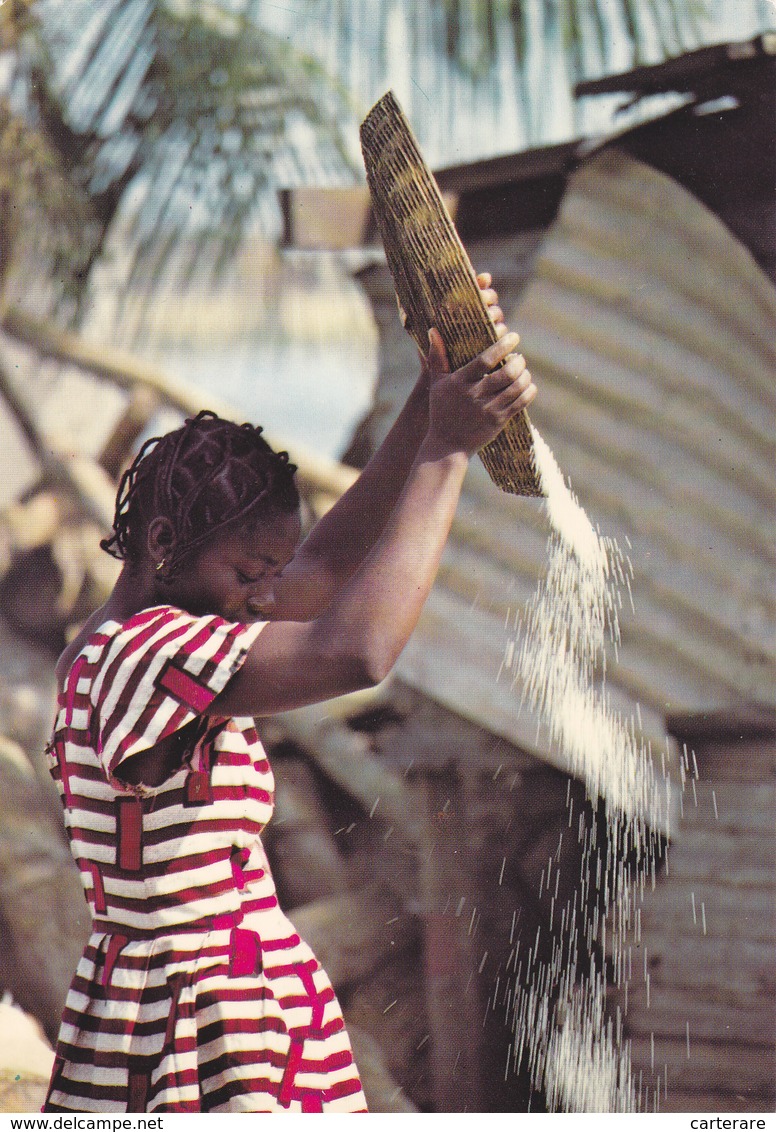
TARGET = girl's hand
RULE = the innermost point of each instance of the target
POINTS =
(470, 407)
(490, 297)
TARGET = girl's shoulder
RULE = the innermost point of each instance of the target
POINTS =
(102, 627)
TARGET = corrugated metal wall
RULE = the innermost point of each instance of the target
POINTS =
(650, 331)
(709, 1018)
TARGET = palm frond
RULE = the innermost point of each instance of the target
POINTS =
(44, 219)
(16, 18)
(192, 106)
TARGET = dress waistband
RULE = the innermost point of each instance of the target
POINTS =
(224, 922)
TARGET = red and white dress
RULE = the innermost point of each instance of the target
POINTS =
(194, 992)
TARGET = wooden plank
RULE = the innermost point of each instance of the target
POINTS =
(381, 1090)
(743, 809)
(704, 963)
(429, 733)
(710, 1064)
(724, 1016)
(713, 1068)
(316, 472)
(344, 757)
(141, 407)
(717, 1101)
(389, 1006)
(452, 1001)
(45, 918)
(740, 913)
(735, 759)
(741, 861)
(79, 475)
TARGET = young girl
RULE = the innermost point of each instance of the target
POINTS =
(194, 992)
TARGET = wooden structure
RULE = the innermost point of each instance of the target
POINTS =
(639, 271)
(708, 932)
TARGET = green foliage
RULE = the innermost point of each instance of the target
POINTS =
(44, 218)
(175, 116)
(185, 104)
(16, 17)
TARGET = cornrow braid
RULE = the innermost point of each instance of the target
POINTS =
(202, 477)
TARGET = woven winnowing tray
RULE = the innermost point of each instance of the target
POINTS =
(435, 282)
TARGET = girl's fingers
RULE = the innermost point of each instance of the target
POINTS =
(511, 371)
(517, 396)
(484, 278)
(437, 354)
(493, 357)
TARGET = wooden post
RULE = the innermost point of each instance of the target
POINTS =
(452, 1001)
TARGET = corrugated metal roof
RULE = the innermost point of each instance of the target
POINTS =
(650, 331)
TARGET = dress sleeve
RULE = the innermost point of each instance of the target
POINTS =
(159, 672)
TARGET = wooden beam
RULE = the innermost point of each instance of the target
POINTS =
(81, 477)
(143, 403)
(315, 472)
(452, 999)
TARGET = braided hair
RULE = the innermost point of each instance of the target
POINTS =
(202, 477)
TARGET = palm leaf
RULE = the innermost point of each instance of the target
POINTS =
(44, 219)
(193, 107)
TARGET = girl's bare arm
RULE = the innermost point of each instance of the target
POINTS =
(342, 538)
(357, 639)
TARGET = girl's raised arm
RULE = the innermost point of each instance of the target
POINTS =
(342, 538)
(357, 639)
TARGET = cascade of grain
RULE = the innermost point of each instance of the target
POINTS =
(562, 638)
(557, 658)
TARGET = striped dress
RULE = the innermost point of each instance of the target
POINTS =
(194, 992)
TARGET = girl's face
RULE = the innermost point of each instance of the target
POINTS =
(236, 573)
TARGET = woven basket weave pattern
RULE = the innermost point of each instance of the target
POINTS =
(435, 282)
